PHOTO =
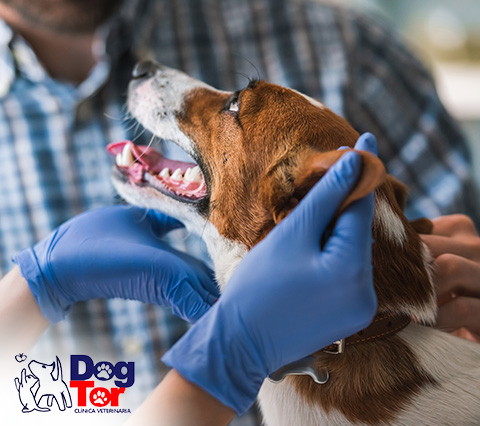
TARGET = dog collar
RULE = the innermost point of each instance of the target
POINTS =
(382, 326)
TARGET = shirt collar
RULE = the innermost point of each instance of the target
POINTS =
(6, 33)
(7, 64)
(17, 56)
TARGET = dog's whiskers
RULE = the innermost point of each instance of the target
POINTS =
(124, 114)
(253, 66)
(213, 206)
(139, 135)
(111, 117)
(146, 148)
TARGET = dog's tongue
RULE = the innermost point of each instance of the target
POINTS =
(143, 164)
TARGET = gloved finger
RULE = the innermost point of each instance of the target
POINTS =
(161, 268)
(202, 276)
(203, 281)
(352, 239)
(312, 215)
(367, 142)
(187, 303)
(161, 224)
(352, 232)
(124, 223)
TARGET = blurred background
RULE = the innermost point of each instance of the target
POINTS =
(446, 35)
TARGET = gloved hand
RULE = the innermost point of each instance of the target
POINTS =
(288, 297)
(115, 252)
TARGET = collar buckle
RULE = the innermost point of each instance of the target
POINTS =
(303, 367)
(336, 348)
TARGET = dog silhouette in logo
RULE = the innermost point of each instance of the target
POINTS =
(26, 392)
(51, 384)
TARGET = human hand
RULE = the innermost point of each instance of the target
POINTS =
(289, 297)
(115, 252)
(455, 246)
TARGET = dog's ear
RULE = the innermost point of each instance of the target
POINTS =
(288, 184)
(399, 190)
(421, 225)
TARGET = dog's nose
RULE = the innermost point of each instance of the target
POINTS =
(145, 69)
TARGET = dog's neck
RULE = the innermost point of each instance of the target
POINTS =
(227, 254)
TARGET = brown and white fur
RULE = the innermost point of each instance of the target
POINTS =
(260, 150)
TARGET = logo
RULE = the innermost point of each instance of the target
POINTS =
(20, 357)
(44, 381)
(124, 372)
(40, 385)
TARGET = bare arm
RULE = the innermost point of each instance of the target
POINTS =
(21, 324)
(21, 321)
(178, 402)
(174, 402)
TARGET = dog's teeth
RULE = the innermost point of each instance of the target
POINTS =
(195, 174)
(177, 174)
(165, 173)
(188, 174)
(127, 156)
(118, 160)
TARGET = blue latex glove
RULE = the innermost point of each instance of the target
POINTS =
(115, 252)
(288, 297)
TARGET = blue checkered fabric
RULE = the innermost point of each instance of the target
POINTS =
(53, 162)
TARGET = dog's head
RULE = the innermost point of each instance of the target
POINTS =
(258, 152)
(41, 370)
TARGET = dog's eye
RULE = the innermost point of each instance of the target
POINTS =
(233, 105)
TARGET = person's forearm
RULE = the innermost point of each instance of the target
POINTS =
(21, 321)
(178, 402)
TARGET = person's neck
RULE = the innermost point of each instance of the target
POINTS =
(64, 56)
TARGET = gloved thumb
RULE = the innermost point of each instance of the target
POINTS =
(367, 142)
(187, 303)
(161, 224)
(313, 214)
(353, 229)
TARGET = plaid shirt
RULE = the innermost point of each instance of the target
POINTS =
(53, 162)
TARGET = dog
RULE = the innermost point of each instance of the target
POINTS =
(25, 390)
(256, 152)
(51, 384)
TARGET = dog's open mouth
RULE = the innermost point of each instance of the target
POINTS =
(143, 165)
